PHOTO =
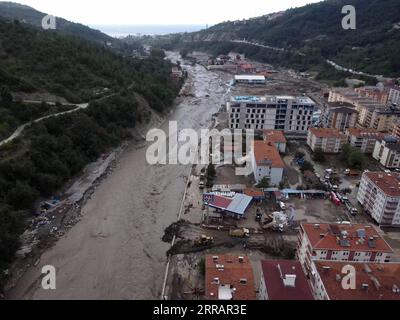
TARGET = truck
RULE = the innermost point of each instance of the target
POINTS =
(203, 240)
(351, 173)
(239, 233)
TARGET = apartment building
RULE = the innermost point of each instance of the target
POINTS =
(286, 113)
(339, 115)
(267, 163)
(283, 280)
(229, 277)
(387, 152)
(373, 281)
(395, 130)
(371, 114)
(326, 140)
(379, 195)
(363, 138)
(341, 242)
(394, 95)
(379, 94)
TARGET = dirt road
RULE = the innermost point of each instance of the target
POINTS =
(116, 251)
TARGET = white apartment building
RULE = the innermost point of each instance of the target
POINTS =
(387, 152)
(286, 113)
(326, 140)
(394, 95)
(379, 194)
(341, 242)
(267, 163)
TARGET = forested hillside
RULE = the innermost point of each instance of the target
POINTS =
(312, 34)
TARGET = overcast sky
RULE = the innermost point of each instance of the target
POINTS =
(160, 12)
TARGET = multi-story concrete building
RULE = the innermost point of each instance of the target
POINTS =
(339, 115)
(379, 194)
(394, 95)
(341, 242)
(326, 140)
(380, 95)
(395, 130)
(229, 277)
(363, 138)
(372, 281)
(286, 113)
(267, 163)
(387, 152)
(283, 280)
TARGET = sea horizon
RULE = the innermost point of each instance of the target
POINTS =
(118, 31)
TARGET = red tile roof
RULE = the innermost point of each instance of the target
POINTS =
(328, 236)
(275, 136)
(276, 288)
(267, 152)
(365, 132)
(252, 192)
(389, 183)
(326, 133)
(229, 271)
(382, 280)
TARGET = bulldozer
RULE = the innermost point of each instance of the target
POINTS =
(203, 240)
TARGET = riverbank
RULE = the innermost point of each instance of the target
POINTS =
(115, 251)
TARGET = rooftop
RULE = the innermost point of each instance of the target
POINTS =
(273, 99)
(285, 280)
(236, 204)
(326, 133)
(389, 183)
(275, 136)
(373, 281)
(250, 77)
(365, 132)
(229, 277)
(341, 104)
(345, 237)
(266, 154)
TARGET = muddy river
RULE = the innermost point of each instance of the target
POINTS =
(116, 251)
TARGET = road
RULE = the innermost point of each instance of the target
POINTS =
(22, 127)
(115, 251)
(330, 62)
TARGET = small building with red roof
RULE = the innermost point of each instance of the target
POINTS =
(229, 277)
(283, 280)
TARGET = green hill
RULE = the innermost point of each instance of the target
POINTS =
(312, 34)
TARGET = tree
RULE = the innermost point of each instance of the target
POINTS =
(307, 166)
(264, 183)
(6, 97)
(346, 150)
(184, 53)
(157, 53)
(22, 196)
(319, 156)
(357, 160)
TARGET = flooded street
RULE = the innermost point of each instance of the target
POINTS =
(116, 251)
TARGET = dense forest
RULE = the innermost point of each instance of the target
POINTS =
(71, 67)
(51, 152)
(310, 35)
